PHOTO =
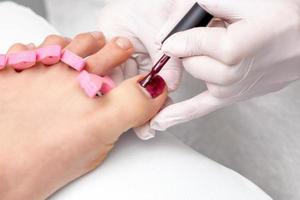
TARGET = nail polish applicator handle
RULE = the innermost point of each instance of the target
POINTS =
(196, 17)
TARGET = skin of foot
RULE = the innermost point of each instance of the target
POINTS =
(51, 132)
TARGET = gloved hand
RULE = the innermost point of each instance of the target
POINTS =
(253, 51)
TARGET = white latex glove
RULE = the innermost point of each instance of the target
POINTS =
(140, 21)
(253, 52)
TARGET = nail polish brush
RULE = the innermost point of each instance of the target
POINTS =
(196, 17)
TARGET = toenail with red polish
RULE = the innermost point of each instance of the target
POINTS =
(156, 86)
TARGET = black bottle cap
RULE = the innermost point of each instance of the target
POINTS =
(196, 17)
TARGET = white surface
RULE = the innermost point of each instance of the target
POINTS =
(15, 24)
(260, 139)
(161, 169)
(72, 17)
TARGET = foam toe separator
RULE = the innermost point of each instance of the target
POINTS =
(73, 60)
(22, 60)
(3, 61)
(91, 83)
(49, 55)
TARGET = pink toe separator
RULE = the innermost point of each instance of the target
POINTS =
(49, 55)
(91, 83)
(73, 60)
(22, 60)
(108, 85)
(3, 61)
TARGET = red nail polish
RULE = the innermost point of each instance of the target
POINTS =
(156, 86)
(155, 70)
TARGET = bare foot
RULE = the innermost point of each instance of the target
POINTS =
(51, 132)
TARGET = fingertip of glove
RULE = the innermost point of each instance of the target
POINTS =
(157, 126)
(170, 48)
(172, 78)
(145, 132)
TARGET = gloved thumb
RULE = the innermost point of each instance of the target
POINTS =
(228, 9)
(225, 44)
(185, 111)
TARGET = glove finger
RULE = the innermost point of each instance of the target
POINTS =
(117, 75)
(125, 71)
(235, 90)
(213, 71)
(119, 25)
(216, 22)
(196, 107)
(222, 41)
(226, 45)
(179, 9)
(197, 42)
(145, 132)
(172, 73)
(130, 68)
